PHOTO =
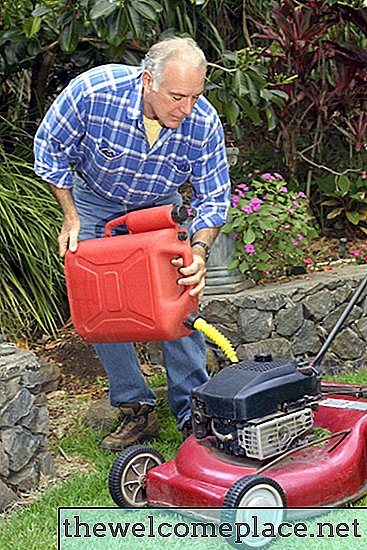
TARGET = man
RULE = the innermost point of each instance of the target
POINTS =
(122, 138)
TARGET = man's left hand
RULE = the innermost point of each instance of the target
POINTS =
(193, 274)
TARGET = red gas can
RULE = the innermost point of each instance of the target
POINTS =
(124, 288)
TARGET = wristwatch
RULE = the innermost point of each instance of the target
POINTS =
(205, 246)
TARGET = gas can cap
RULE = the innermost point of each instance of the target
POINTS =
(179, 213)
(263, 357)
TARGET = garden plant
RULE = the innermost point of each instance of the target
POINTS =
(271, 224)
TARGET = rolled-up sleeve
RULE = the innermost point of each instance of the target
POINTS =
(58, 136)
(210, 182)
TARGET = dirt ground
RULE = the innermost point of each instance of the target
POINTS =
(79, 365)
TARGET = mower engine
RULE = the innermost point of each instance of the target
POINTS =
(258, 408)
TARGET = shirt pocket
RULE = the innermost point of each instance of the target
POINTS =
(110, 151)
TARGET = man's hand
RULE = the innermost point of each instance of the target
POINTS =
(193, 274)
(68, 236)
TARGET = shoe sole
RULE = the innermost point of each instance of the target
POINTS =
(116, 448)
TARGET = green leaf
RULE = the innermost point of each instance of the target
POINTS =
(251, 111)
(147, 9)
(40, 11)
(233, 264)
(336, 212)
(244, 266)
(31, 26)
(249, 236)
(102, 8)
(271, 118)
(254, 93)
(240, 84)
(353, 217)
(117, 28)
(231, 111)
(69, 37)
(343, 184)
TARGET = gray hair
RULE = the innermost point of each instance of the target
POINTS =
(183, 49)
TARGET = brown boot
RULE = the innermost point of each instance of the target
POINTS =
(139, 424)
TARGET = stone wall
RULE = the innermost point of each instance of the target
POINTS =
(290, 320)
(295, 318)
(24, 454)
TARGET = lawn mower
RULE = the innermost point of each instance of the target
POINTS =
(267, 433)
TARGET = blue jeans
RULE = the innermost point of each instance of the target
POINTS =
(184, 359)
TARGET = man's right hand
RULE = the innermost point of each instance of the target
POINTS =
(68, 236)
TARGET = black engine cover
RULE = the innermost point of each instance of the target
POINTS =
(254, 389)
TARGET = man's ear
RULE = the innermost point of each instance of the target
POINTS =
(147, 80)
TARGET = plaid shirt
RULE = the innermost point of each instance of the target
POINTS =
(95, 127)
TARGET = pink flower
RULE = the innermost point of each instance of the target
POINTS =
(190, 212)
(356, 253)
(302, 195)
(246, 209)
(364, 175)
(296, 203)
(291, 210)
(299, 237)
(250, 249)
(307, 261)
(257, 171)
(235, 200)
(267, 176)
(278, 176)
(265, 272)
(283, 189)
(255, 204)
(241, 194)
(266, 196)
(242, 186)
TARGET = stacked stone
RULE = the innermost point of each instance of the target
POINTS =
(24, 427)
(292, 320)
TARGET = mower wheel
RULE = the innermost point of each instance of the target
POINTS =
(127, 479)
(245, 504)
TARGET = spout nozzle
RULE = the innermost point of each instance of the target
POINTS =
(194, 321)
(189, 322)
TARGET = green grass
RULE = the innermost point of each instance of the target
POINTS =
(34, 526)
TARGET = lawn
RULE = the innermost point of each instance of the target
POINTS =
(34, 526)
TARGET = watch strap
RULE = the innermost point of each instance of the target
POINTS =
(203, 245)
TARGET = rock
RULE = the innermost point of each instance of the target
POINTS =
(20, 446)
(16, 409)
(7, 496)
(255, 325)
(101, 415)
(289, 320)
(279, 348)
(50, 377)
(306, 341)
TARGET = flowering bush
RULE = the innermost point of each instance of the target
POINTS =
(360, 254)
(271, 226)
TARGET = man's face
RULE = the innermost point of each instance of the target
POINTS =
(176, 96)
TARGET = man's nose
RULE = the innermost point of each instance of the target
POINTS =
(186, 106)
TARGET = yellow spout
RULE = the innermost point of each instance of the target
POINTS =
(214, 334)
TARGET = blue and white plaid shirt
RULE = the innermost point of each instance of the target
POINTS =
(95, 127)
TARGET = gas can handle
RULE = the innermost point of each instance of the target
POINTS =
(113, 223)
(149, 219)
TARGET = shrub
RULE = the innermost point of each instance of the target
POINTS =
(271, 226)
(32, 292)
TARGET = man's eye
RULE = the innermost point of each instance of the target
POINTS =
(176, 98)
